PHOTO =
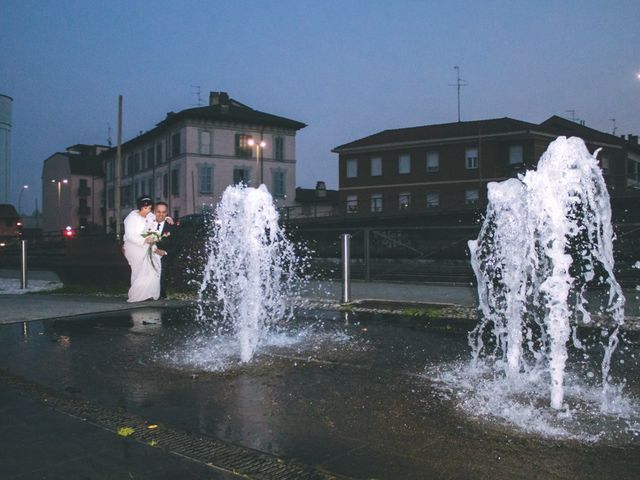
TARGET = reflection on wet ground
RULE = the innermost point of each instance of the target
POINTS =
(347, 394)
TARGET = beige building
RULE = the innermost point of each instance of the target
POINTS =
(191, 156)
(73, 189)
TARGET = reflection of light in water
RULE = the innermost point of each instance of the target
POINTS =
(146, 320)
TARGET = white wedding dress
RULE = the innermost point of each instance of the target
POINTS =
(145, 269)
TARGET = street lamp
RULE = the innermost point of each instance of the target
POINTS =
(259, 147)
(59, 182)
(24, 187)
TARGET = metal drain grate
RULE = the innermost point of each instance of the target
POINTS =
(215, 453)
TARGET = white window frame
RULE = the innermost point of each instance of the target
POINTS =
(376, 166)
(471, 159)
(406, 204)
(516, 155)
(404, 164)
(352, 168)
(433, 199)
(471, 196)
(433, 161)
(376, 202)
(352, 204)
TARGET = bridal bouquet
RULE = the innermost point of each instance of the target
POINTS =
(156, 238)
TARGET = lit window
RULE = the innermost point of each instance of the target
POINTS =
(515, 155)
(471, 196)
(404, 201)
(243, 149)
(433, 200)
(404, 164)
(352, 204)
(352, 168)
(433, 161)
(376, 203)
(471, 158)
(376, 167)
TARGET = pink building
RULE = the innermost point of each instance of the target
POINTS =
(73, 189)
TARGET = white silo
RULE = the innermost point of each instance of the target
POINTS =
(6, 103)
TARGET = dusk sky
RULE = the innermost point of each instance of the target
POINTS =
(345, 68)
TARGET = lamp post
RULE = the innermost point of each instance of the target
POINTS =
(259, 147)
(59, 182)
(24, 187)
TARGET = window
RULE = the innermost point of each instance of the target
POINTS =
(471, 196)
(175, 144)
(352, 168)
(83, 203)
(110, 197)
(278, 189)
(404, 201)
(433, 161)
(404, 164)
(205, 179)
(165, 185)
(159, 154)
(376, 167)
(633, 173)
(129, 165)
(110, 169)
(150, 160)
(241, 175)
(243, 149)
(604, 165)
(376, 203)
(150, 187)
(515, 155)
(433, 200)
(204, 141)
(471, 158)
(352, 204)
(136, 162)
(278, 148)
(175, 182)
(83, 183)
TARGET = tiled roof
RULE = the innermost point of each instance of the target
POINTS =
(8, 211)
(443, 131)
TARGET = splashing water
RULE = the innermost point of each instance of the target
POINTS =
(252, 270)
(546, 235)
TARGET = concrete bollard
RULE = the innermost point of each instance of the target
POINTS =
(345, 240)
(23, 264)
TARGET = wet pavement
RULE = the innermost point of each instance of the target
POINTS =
(336, 395)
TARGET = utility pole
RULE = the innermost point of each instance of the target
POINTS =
(459, 83)
(116, 193)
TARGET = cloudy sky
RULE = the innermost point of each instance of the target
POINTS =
(346, 68)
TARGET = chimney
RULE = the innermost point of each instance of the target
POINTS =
(632, 139)
(321, 189)
(218, 98)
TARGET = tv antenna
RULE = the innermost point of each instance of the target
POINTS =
(196, 91)
(108, 134)
(613, 120)
(459, 83)
(573, 115)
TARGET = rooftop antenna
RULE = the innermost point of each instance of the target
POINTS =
(573, 115)
(108, 134)
(613, 120)
(196, 91)
(459, 83)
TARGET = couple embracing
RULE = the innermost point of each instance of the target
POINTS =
(147, 232)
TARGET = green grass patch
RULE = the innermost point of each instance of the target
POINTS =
(429, 312)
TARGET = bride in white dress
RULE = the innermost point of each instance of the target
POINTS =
(145, 267)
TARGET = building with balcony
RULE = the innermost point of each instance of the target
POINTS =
(437, 170)
(73, 189)
(190, 157)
